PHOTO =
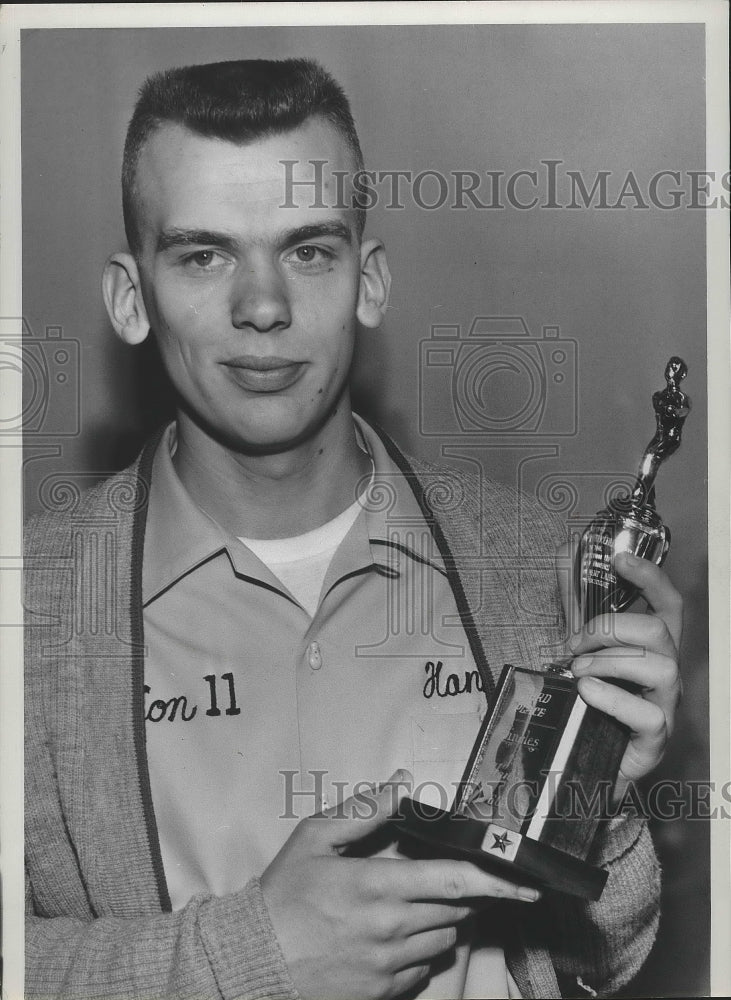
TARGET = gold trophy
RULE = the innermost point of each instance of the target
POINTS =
(527, 804)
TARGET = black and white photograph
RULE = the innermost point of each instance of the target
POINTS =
(364, 547)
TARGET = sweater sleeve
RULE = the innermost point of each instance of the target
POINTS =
(215, 947)
(597, 948)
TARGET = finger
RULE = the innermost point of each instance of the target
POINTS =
(407, 980)
(426, 916)
(656, 675)
(453, 880)
(359, 815)
(415, 918)
(655, 586)
(421, 948)
(646, 632)
(643, 717)
(565, 557)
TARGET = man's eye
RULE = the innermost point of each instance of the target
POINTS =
(307, 254)
(202, 258)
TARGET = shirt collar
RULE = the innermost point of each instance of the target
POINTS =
(395, 522)
(180, 536)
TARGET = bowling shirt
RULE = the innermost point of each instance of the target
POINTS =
(260, 712)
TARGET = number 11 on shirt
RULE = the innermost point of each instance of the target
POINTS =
(233, 708)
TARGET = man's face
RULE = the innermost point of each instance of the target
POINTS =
(253, 304)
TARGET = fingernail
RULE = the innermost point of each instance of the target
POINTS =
(582, 664)
(630, 557)
(593, 682)
(529, 895)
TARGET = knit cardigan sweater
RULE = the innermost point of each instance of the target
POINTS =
(99, 922)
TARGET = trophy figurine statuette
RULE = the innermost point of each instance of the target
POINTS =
(541, 750)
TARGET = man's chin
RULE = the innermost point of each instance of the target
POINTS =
(266, 436)
(261, 445)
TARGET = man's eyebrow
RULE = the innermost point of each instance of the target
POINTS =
(170, 238)
(314, 231)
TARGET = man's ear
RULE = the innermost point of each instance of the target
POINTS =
(123, 298)
(375, 284)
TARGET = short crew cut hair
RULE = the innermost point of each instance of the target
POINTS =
(238, 101)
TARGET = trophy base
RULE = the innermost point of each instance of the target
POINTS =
(432, 832)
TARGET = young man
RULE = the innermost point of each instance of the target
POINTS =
(221, 642)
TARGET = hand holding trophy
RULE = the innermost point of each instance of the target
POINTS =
(541, 742)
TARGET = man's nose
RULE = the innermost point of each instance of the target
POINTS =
(260, 299)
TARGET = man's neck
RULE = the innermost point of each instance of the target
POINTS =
(273, 496)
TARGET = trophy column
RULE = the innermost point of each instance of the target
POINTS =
(528, 802)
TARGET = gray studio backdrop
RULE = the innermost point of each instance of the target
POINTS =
(599, 298)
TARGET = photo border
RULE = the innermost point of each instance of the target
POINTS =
(17, 17)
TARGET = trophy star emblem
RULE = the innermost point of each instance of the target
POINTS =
(501, 842)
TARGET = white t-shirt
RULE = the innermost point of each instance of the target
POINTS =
(301, 562)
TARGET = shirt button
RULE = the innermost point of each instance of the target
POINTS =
(314, 656)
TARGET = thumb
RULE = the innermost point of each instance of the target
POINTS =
(363, 813)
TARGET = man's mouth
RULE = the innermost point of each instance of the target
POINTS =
(264, 374)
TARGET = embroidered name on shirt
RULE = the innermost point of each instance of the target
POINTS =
(449, 685)
(177, 707)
